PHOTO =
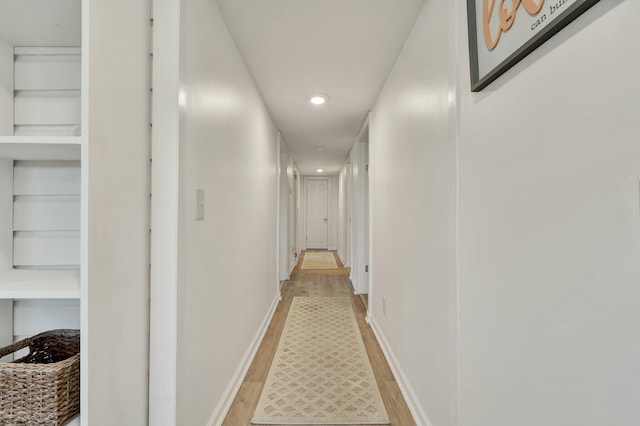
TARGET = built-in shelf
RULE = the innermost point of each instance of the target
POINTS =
(44, 140)
(40, 147)
(40, 284)
(42, 101)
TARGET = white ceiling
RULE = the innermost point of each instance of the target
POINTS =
(293, 48)
(343, 48)
(40, 22)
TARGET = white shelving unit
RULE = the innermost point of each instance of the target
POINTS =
(64, 148)
(106, 291)
(40, 167)
(27, 284)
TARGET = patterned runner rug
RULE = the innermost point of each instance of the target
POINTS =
(319, 260)
(321, 372)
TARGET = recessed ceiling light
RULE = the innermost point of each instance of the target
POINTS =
(319, 170)
(318, 99)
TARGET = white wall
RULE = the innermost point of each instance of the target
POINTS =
(413, 215)
(550, 230)
(287, 212)
(227, 266)
(115, 305)
(333, 212)
(344, 219)
(6, 89)
(358, 207)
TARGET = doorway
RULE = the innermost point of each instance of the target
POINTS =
(360, 229)
(317, 213)
(367, 228)
(283, 212)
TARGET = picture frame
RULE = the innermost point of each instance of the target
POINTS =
(503, 32)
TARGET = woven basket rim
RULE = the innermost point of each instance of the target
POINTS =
(39, 366)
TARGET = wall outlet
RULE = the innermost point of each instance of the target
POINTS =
(384, 306)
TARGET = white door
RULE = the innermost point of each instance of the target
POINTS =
(366, 217)
(317, 213)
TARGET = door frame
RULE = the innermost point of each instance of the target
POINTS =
(283, 210)
(362, 220)
(303, 206)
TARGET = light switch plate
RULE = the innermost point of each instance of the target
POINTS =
(199, 204)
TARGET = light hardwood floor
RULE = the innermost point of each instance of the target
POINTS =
(329, 283)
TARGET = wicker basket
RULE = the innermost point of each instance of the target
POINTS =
(43, 387)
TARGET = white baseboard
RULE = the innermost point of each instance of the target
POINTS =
(233, 387)
(409, 395)
(354, 282)
(293, 265)
(341, 256)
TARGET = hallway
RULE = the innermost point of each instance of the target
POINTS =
(310, 283)
(154, 184)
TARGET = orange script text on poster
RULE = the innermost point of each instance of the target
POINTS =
(507, 18)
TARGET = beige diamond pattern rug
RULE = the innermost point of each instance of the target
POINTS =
(319, 260)
(321, 372)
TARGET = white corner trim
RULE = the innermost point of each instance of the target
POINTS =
(341, 256)
(293, 265)
(233, 387)
(354, 281)
(368, 318)
(409, 395)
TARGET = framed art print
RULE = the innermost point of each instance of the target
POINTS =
(502, 32)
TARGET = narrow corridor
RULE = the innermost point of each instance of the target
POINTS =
(309, 283)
